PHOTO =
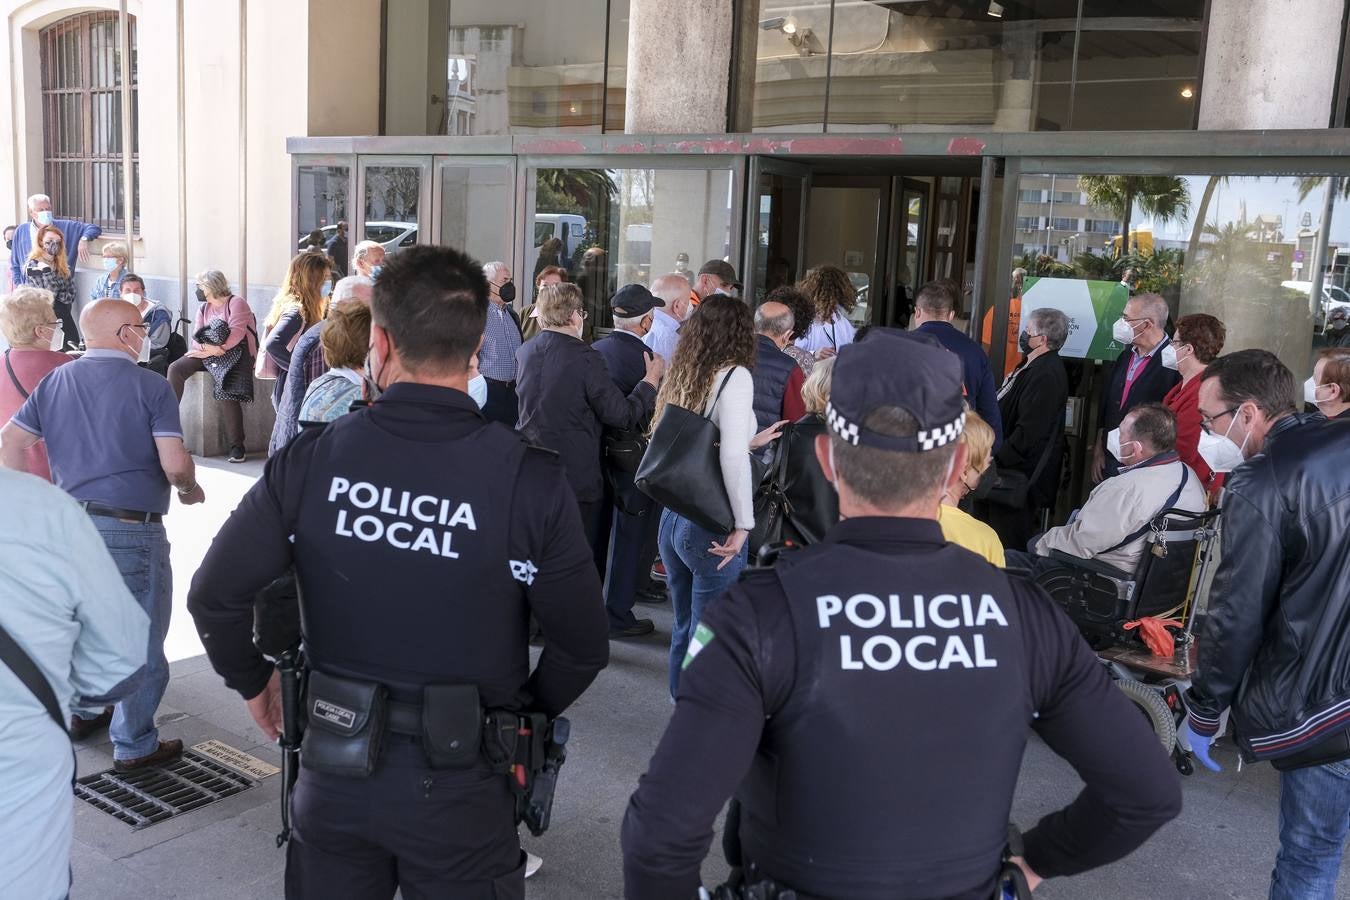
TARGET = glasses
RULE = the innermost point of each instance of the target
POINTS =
(145, 328)
(1207, 422)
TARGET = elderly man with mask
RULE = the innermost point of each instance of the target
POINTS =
(115, 444)
(1140, 374)
(1276, 637)
(77, 236)
(368, 259)
(673, 291)
(502, 337)
(308, 362)
(778, 379)
(1113, 525)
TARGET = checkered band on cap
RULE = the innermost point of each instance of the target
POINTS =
(846, 430)
(938, 437)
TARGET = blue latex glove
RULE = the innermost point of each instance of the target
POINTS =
(1199, 745)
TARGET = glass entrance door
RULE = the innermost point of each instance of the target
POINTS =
(908, 241)
(395, 203)
(775, 224)
(847, 229)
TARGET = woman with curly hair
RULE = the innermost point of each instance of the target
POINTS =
(710, 374)
(298, 305)
(833, 298)
(803, 314)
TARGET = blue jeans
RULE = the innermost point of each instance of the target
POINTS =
(141, 552)
(693, 579)
(1314, 821)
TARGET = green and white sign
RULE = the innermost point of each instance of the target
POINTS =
(1092, 308)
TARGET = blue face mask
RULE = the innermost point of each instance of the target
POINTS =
(326, 289)
(375, 272)
(478, 390)
(109, 263)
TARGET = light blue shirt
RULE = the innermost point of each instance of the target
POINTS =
(64, 602)
(665, 334)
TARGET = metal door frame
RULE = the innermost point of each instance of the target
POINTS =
(765, 165)
(308, 160)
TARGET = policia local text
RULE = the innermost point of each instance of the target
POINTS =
(424, 525)
(883, 652)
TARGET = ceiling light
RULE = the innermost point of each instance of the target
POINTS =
(995, 9)
(1187, 93)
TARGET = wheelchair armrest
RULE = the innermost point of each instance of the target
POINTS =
(1091, 565)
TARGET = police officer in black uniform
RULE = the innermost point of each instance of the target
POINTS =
(423, 537)
(871, 695)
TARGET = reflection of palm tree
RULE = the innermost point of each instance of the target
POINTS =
(1198, 224)
(585, 186)
(1164, 197)
(1309, 183)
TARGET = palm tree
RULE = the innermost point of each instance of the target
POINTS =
(1309, 183)
(1164, 197)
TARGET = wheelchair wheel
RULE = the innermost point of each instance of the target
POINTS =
(1152, 705)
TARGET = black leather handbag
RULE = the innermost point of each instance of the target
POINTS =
(681, 469)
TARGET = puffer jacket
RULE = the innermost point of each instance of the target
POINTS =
(1276, 643)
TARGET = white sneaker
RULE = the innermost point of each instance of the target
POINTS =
(532, 863)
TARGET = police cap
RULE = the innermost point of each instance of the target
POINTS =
(897, 369)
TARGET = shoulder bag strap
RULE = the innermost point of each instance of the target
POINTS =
(22, 665)
(14, 378)
(720, 388)
(1144, 529)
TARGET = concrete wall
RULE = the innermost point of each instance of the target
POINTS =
(1270, 64)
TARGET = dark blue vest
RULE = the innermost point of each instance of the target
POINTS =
(773, 368)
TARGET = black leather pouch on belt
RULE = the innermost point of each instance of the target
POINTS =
(452, 725)
(346, 725)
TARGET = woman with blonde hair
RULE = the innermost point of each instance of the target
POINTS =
(710, 374)
(115, 259)
(35, 336)
(298, 305)
(345, 339)
(833, 297)
(48, 269)
(224, 342)
(958, 526)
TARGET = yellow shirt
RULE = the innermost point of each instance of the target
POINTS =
(964, 530)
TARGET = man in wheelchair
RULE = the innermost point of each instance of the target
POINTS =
(1113, 553)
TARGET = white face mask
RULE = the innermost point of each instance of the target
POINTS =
(1218, 450)
(478, 390)
(1122, 331)
(133, 299)
(1113, 447)
(1169, 356)
(1310, 392)
(142, 355)
(58, 341)
(45, 217)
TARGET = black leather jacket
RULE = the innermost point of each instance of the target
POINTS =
(1276, 642)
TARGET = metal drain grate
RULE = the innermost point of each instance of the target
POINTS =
(152, 795)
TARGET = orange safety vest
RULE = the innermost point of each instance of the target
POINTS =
(1012, 353)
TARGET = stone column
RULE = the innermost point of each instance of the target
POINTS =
(679, 62)
(1270, 64)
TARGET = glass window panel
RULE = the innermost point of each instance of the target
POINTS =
(791, 64)
(321, 203)
(392, 197)
(849, 219)
(616, 76)
(617, 226)
(778, 212)
(477, 211)
(1136, 80)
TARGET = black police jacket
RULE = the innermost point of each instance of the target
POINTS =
(423, 538)
(566, 395)
(872, 697)
(1275, 644)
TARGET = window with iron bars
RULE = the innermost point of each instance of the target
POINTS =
(82, 68)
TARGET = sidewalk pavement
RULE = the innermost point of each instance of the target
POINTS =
(1222, 846)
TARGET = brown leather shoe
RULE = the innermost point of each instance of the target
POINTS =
(83, 728)
(167, 752)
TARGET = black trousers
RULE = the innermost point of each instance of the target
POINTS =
(1014, 525)
(432, 834)
(595, 516)
(637, 519)
(70, 327)
(502, 405)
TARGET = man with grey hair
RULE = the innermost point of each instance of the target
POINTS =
(368, 259)
(1031, 402)
(501, 339)
(673, 290)
(1139, 375)
(308, 362)
(778, 379)
(76, 234)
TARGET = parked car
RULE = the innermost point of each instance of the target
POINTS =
(392, 235)
(1333, 297)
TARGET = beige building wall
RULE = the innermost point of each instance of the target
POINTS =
(312, 70)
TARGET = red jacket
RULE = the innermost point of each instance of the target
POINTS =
(1184, 402)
